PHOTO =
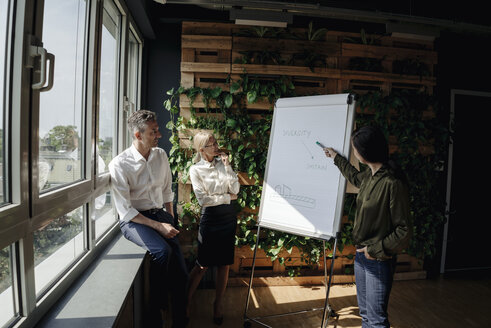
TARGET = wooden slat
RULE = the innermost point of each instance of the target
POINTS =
(185, 102)
(392, 53)
(245, 180)
(184, 191)
(187, 80)
(188, 55)
(344, 259)
(207, 28)
(185, 112)
(285, 46)
(376, 76)
(205, 67)
(206, 42)
(377, 39)
(211, 80)
(286, 70)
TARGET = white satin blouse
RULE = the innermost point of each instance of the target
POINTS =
(213, 182)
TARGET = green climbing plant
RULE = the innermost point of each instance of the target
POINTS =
(404, 117)
(421, 141)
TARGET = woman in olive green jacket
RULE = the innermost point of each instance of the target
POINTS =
(382, 225)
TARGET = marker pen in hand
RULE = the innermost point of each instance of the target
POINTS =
(326, 151)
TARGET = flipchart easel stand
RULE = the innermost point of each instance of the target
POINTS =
(327, 310)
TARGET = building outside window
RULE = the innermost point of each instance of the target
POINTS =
(56, 246)
(132, 90)
(7, 310)
(109, 81)
(104, 214)
(61, 128)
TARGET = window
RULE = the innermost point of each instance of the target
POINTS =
(4, 24)
(48, 135)
(133, 69)
(133, 78)
(104, 214)
(6, 297)
(108, 99)
(56, 246)
(61, 129)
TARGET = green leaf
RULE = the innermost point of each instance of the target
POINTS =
(228, 100)
(251, 96)
(167, 104)
(170, 92)
(248, 154)
(174, 110)
(216, 92)
(319, 33)
(234, 87)
(275, 251)
(231, 123)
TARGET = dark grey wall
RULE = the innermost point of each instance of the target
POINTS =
(160, 73)
(463, 63)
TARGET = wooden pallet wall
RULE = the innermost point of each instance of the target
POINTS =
(210, 52)
(212, 56)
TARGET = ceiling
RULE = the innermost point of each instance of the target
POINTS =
(469, 16)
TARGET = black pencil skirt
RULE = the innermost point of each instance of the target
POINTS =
(216, 235)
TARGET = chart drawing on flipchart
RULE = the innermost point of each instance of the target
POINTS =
(302, 188)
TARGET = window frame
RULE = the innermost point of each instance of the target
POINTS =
(14, 213)
(5, 104)
(28, 209)
(47, 206)
(102, 180)
(132, 30)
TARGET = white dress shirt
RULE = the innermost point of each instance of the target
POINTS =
(138, 184)
(213, 182)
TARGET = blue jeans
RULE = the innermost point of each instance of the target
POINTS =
(373, 284)
(168, 269)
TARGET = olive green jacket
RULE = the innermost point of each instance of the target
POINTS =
(382, 220)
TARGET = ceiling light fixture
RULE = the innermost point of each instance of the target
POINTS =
(261, 17)
(412, 31)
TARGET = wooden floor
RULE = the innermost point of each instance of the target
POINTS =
(442, 302)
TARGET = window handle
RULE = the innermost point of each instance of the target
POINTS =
(35, 51)
(128, 106)
(51, 58)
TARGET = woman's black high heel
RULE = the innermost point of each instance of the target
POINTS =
(216, 320)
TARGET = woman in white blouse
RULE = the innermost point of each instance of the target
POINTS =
(215, 185)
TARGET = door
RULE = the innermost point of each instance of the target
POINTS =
(466, 238)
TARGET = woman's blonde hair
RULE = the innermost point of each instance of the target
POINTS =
(199, 141)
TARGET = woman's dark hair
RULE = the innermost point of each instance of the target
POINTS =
(372, 145)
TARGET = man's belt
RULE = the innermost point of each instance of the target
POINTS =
(153, 210)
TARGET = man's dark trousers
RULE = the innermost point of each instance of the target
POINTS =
(167, 271)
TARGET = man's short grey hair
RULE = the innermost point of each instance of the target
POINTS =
(138, 121)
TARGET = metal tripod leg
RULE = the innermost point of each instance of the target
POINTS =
(327, 310)
(246, 319)
(331, 312)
